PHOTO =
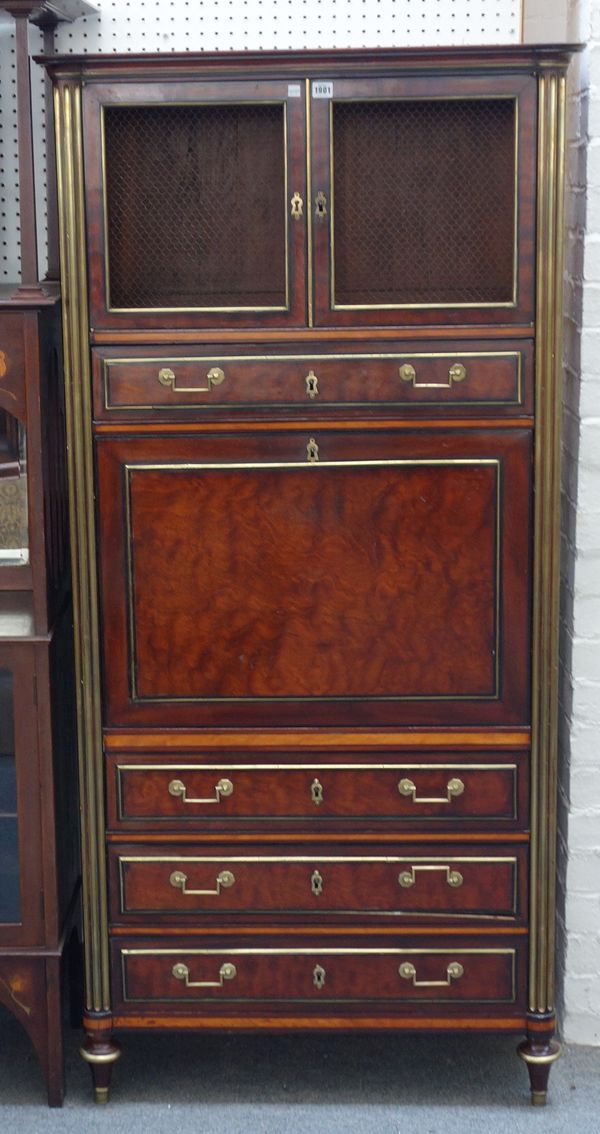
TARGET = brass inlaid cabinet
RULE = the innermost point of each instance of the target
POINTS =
(312, 346)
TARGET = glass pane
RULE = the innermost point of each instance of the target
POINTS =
(14, 536)
(416, 183)
(10, 896)
(196, 206)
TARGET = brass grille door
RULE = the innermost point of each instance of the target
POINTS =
(200, 218)
(404, 189)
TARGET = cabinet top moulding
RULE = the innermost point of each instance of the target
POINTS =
(414, 60)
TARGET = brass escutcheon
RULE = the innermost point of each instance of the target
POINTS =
(320, 205)
(312, 451)
(312, 384)
(316, 791)
(316, 883)
(296, 206)
(318, 976)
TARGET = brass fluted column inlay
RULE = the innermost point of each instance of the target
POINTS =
(549, 287)
(69, 160)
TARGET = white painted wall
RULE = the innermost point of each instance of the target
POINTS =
(579, 837)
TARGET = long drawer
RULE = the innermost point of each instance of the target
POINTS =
(182, 794)
(388, 975)
(185, 883)
(138, 383)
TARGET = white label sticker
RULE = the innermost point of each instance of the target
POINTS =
(322, 89)
(294, 90)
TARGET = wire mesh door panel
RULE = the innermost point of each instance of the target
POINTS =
(200, 218)
(417, 196)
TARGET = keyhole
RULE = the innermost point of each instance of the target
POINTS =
(312, 384)
(316, 883)
(316, 791)
(318, 976)
(320, 205)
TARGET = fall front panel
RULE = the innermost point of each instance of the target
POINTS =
(357, 579)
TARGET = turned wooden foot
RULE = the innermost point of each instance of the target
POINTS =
(101, 1052)
(539, 1057)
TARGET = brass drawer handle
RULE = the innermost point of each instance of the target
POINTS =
(454, 787)
(408, 972)
(312, 384)
(214, 377)
(456, 373)
(316, 792)
(296, 206)
(408, 878)
(319, 976)
(224, 880)
(226, 972)
(178, 789)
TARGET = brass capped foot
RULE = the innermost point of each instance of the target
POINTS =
(539, 1058)
(101, 1055)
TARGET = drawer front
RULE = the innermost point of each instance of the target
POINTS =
(187, 382)
(180, 794)
(318, 975)
(486, 882)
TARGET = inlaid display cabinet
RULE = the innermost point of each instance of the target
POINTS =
(39, 853)
(312, 350)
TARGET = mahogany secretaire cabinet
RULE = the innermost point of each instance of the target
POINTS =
(312, 348)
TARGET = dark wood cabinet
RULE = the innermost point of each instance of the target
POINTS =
(39, 853)
(313, 377)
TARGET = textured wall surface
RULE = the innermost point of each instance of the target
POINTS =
(579, 835)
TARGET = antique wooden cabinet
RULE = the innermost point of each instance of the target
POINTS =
(39, 857)
(312, 332)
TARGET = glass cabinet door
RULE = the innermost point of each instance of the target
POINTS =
(14, 529)
(200, 204)
(20, 863)
(418, 185)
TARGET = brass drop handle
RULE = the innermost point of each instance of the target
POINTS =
(316, 792)
(179, 790)
(319, 976)
(408, 972)
(226, 972)
(456, 373)
(214, 377)
(224, 880)
(407, 878)
(454, 787)
(296, 206)
(320, 205)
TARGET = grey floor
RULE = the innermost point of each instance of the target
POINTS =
(303, 1085)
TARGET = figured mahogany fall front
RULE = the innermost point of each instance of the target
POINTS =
(311, 409)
